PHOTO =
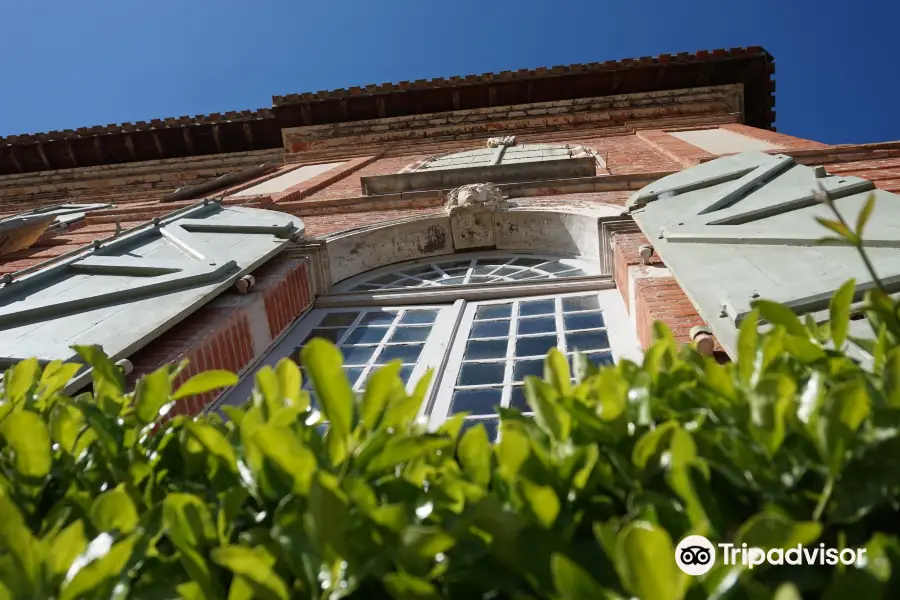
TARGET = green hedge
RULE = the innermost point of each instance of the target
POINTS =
(794, 443)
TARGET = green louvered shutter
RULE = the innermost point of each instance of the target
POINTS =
(127, 291)
(743, 227)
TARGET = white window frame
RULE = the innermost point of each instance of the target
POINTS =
(456, 304)
(347, 286)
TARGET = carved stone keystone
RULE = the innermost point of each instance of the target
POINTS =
(471, 209)
(496, 142)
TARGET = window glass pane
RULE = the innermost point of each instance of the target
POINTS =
(553, 267)
(378, 318)
(583, 320)
(534, 346)
(407, 353)
(410, 334)
(353, 374)
(587, 340)
(517, 399)
(481, 373)
(477, 401)
(414, 317)
(485, 349)
(493, 311)
(366, 335)
(537, 307)
(475, 280)
(451, 281)
(575, 303)
(537, 325)
(357, 355)
(341, 319)
(332, 335)
(486, 329)
(604, 357)
(512, 267)
(523, 368)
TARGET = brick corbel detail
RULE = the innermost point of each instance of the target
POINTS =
(233, 330)
(651, 293)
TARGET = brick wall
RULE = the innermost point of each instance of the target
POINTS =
(233, 330)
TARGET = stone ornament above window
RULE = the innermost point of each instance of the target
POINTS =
(474, 197)
(496, 142)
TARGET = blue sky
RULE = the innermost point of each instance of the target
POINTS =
(71, 64)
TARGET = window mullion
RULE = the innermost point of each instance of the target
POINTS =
(437, 403)
(444, 342)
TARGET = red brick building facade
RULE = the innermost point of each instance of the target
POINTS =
(327, 155)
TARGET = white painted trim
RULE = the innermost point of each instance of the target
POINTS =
(636, 273)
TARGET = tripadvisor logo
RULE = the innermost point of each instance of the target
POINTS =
(696, 555)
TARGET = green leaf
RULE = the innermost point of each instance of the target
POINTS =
(379, 387)
(285, 450)
(864, 214)
(748, 343)
(839, 228)
(839, 310)
(324, 363)
(268, 390)
(548, 412)
(328, 516)
(652, 444)
(574, 583)
(215, 443)
(402, 586)
(114, 510)
(66, 546)
(400, 450)
(207, 381)
(152, 392)
(891, 378)
(255, 568)
(474, 453)
(99, 568)
(66, 423)
(556, 371)
(290, 381)
(845, 408)
(779, 314)
(188, 521)
(22, 378)
(512, 450)
(768, 530)
(787, 591)
(542, 500)
(109, 380)
(55, 377)
(770, 404)
(28, 437)
(645, 562)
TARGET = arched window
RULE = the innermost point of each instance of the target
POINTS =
(481, 320)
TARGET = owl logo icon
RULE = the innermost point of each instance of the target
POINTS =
(695, 555)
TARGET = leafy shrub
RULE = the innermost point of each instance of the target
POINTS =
(102, 498)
